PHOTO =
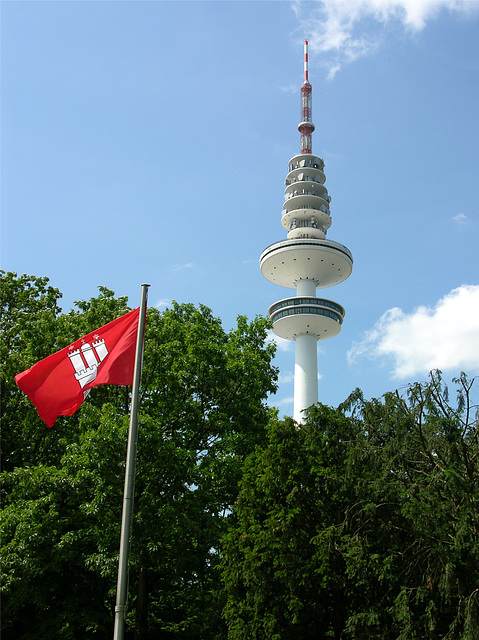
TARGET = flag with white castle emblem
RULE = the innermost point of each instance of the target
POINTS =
(58, 384)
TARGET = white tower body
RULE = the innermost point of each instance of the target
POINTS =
(305, 375)
(306, 261)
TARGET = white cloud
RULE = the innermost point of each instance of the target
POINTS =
(281, 343)
(181, 267)
(461, 218)
(285, 377)
(444, 337)
(283, 402)
(348, 29)
(291, 88)
(162, 303)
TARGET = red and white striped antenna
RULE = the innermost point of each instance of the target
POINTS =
(306, 127)
(306, 79)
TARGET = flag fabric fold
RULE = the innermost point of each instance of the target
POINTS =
(58, 384)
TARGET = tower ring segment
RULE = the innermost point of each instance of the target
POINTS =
(301, 315)
(288, 262)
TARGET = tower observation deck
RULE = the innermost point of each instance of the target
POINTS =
(306, 261)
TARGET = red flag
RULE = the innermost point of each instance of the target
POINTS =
(58, 385)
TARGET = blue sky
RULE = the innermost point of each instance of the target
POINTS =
(149, 142)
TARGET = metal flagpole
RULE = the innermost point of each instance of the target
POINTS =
(129, 490)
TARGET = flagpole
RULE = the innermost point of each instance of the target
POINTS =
(129, 489)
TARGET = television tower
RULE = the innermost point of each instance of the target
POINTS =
(306, 261)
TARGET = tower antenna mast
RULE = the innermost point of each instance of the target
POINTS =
(306, 127)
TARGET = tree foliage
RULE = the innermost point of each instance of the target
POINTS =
(361, 524)
(202, 412)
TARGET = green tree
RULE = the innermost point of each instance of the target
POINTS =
(29, 310)
(59, 525)
(32, 326)
(361, 524)
(202, 412)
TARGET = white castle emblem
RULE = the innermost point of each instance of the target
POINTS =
(86, 360)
